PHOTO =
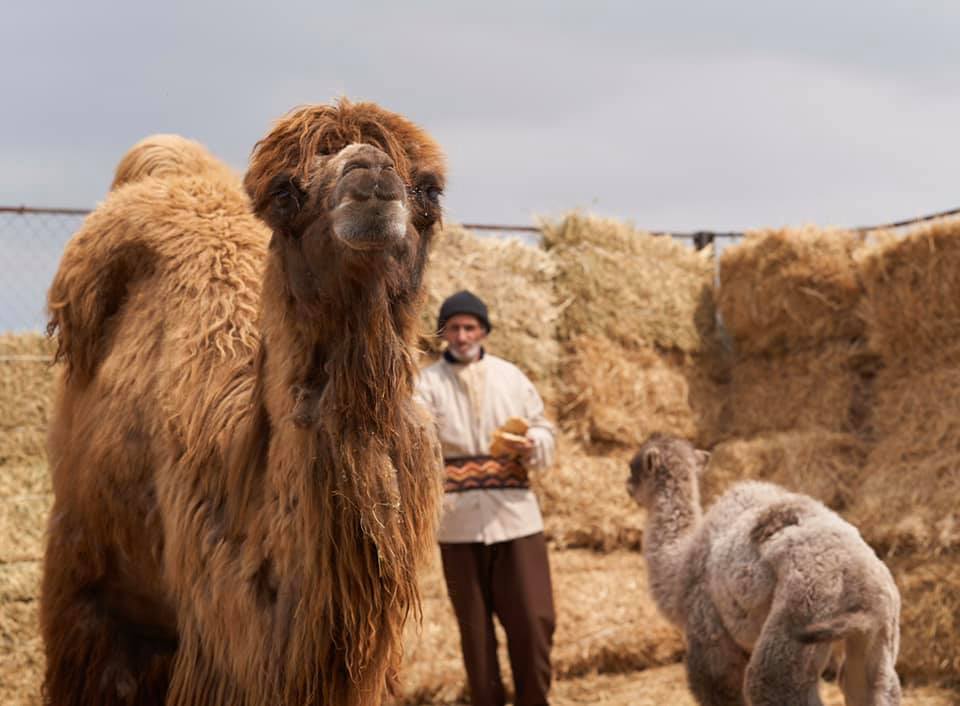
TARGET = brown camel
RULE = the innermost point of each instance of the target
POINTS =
(243, 486)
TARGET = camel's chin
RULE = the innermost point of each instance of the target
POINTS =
(370, 225)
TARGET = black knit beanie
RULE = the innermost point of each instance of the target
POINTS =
(463, 302)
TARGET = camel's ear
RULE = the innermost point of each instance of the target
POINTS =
(651, 460)
(280, 203)
(703, 459)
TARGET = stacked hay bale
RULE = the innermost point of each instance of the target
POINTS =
(584, 503)
(26, 381)
(908, 504)
(795, 397)
(638, 333)
(25, 386)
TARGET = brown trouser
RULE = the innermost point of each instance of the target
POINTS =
(511, 579)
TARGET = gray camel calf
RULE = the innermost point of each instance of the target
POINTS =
(764, 585)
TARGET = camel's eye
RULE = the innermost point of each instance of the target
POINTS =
(283, 199)
(427, 190)
(434, 193)
(282, 202)
(286, 196)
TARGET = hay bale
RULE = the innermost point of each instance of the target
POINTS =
(19, 581)
(21, 649)
(910, 485)
(906, 507)
(26, 391)
(26, 381)
(606, 619)
(21, 653)
(801, 389)
(26, 395)
(930, 616)
(908, 502)
(823, 464)
(23, 446)
(31, 345)
(29, 479)
(631, 287)
(515, 281)
(912, 292)
(584, 503)
(606, 622)
(780, 289)
(22, 524)
(611, 395)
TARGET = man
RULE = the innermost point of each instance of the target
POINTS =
(491, 532)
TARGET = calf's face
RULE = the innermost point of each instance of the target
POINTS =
(658, 461)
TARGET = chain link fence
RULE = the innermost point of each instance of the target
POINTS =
(31, 241)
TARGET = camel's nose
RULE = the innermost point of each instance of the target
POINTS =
(369, 199)
(368, 172)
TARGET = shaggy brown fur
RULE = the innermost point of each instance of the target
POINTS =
(243, 486)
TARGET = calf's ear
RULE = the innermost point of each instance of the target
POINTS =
(651, 460)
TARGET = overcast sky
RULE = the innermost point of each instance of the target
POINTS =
(675, 116)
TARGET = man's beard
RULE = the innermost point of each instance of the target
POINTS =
(468, 354)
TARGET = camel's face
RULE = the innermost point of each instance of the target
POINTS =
(352, 193)
(354, 205)
(354, 219)
(659, 458)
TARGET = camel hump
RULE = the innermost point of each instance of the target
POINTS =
(772, 520)
(164, 156)
(85, 296)
(837, 628)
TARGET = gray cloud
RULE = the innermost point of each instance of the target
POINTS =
(722, 115)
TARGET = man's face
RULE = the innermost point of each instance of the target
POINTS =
(464, 333)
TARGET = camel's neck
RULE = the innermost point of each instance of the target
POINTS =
(369, 366)
(672, 520)
(346, 358)
(345, 482)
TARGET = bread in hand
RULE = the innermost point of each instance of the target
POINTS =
(512, 431)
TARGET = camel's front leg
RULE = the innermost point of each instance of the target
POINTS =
(715, 663)
(95, 655)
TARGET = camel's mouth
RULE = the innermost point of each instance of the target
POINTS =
(370, 224)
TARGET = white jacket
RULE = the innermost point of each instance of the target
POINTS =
(467, 403)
